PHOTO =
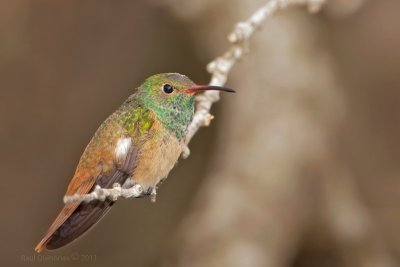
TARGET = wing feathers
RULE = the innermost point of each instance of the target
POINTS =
(76, 218)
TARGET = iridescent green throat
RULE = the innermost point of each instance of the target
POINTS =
(174, 112)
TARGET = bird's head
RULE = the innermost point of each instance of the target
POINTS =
(171, 88)
(171, 97)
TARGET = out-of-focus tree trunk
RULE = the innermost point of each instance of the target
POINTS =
(276, 167)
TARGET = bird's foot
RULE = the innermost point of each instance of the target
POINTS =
(153, 194)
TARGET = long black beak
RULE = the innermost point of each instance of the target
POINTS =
(198, 88)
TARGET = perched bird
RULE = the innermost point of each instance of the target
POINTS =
(138, 144)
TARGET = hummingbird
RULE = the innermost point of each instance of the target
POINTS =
(137, 144)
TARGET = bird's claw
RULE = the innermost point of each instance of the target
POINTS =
(153, 195)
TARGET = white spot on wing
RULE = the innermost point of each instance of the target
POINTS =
(122, 147)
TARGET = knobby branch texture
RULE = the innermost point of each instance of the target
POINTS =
(219, 69)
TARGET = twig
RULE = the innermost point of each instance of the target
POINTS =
(107, 193)
(219, 69)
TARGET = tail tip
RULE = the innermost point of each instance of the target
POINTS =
(40, 247)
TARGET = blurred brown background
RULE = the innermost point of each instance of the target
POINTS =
(299, 168)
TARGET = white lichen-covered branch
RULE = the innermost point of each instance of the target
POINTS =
(107, 193)
(219, 69)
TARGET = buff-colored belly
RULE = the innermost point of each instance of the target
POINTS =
(157, 157)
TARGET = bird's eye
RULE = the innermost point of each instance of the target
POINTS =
(167, 88)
